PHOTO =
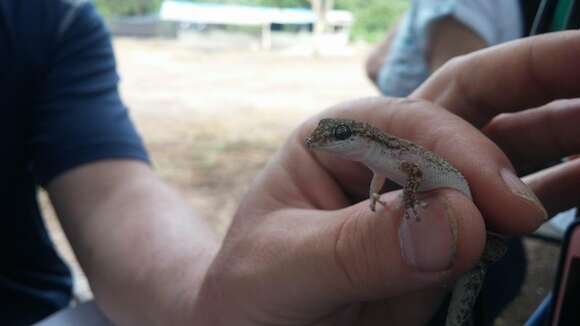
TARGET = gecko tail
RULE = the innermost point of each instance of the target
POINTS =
(467, 289)
(464, 295)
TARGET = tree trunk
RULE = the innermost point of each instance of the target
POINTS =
(321, 8)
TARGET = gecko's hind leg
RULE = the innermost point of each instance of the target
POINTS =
(376, 185)
(414, 178)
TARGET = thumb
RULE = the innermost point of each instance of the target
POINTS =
(305, 265)
(384, 255)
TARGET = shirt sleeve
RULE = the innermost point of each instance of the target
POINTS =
(406, 67)
(79, 116)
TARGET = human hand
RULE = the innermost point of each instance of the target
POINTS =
(304, 250)
(298, 253)
(507, 92)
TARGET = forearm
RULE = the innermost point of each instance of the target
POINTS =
(144, 252)
(450, 38)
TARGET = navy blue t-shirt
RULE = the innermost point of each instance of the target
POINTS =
(60, 108)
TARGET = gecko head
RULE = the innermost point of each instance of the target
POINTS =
(335, 135)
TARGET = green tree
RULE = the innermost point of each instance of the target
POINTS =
(268, 3)
(127, 7)
(373, 17)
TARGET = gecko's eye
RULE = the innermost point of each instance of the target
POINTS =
(342, 132)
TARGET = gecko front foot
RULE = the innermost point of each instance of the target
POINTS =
(376, 198)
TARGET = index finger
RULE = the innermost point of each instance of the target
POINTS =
(510, 77)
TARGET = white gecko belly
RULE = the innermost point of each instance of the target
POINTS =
(387, 163)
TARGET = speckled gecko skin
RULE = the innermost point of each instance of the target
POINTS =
(416, 169)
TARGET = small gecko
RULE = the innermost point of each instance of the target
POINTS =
(416, 169)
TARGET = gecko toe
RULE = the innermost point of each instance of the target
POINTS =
(375, 198)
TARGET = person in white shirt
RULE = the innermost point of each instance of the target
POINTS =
(434, 31)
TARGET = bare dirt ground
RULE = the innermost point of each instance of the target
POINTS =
(211, 120)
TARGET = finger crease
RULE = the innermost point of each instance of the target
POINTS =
(339, 261)
(541, 87)
(481, 110)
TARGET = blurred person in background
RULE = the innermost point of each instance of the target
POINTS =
(65, 128)
(434, 31)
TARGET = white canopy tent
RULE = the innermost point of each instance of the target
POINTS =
(202, 13)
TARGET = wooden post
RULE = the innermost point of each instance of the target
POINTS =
(267, 36)
(320, 8)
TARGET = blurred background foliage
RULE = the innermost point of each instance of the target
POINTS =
(127, 7)
(372, 17)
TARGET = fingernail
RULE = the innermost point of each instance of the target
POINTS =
(519, 188)
(430, 244)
